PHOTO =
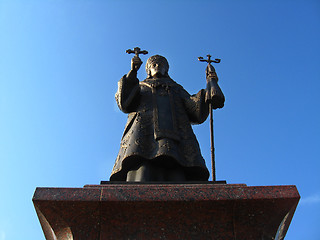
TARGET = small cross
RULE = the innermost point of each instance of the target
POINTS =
(136, 51)
(209, 59)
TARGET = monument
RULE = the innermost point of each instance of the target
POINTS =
(158, 143)
(159, 186)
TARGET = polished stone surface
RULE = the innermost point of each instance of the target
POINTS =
(166, 211)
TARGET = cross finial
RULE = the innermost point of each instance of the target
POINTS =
(137, 51)
(217, 60)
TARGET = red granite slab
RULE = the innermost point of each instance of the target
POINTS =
(166, 211)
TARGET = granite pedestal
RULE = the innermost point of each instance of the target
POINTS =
(166, 211)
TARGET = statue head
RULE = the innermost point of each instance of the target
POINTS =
(157, 66)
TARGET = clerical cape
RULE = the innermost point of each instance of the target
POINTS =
(159, 125)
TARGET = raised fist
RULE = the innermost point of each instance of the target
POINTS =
(135, 63)
(211, 73)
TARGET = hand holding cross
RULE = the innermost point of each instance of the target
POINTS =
(210, 71)
(214, 94)
(136, 61)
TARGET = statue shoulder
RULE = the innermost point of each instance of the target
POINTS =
(180, 88)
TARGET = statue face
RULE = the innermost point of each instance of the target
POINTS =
(157, 69)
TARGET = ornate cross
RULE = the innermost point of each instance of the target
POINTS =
(136, 51)
(209, 59)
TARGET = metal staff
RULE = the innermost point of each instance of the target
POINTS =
(213, 167)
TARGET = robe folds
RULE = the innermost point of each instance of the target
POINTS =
(160, 114)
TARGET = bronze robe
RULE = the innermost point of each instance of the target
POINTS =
(159, 125)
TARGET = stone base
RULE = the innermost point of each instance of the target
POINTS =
(166, 211)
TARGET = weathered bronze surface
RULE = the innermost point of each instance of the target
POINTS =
(158, 143)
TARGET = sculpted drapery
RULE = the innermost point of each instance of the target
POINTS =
(160, 115)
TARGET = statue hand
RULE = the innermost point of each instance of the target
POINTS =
(135, 63)
(211, 73)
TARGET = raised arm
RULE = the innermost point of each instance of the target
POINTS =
(128, 94)
(197, 106)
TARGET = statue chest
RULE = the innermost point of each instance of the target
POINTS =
(161, 102)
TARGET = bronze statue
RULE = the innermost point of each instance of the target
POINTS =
(158, 143)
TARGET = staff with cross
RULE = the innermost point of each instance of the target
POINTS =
(216, 100)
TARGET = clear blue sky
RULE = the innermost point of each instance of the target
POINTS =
(59, 66)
